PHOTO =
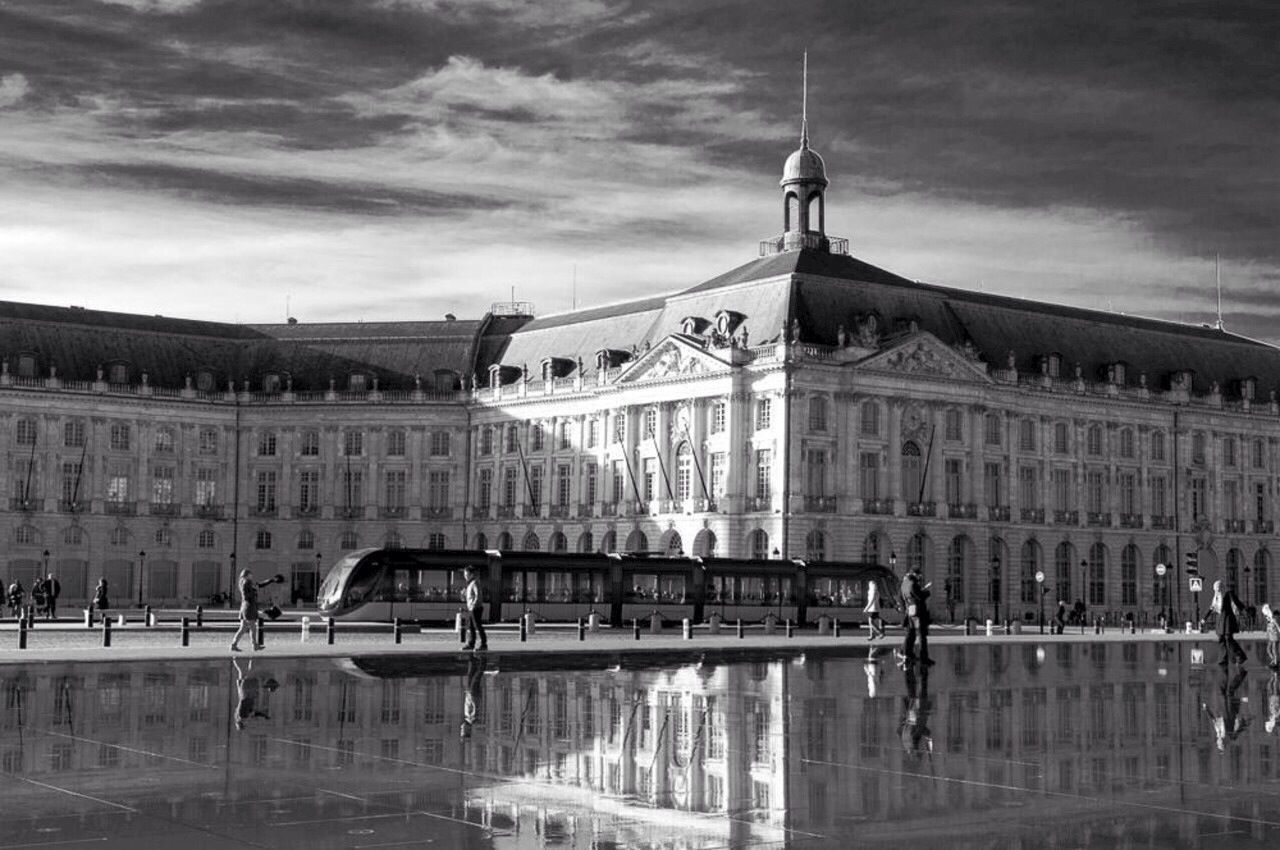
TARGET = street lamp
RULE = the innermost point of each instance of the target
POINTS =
(1043, 590)
(993, 585)
(318, 560)
(46, 563)
(1084, 593)
(142, 570)
(231, 593)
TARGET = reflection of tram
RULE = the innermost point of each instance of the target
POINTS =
(426, 585)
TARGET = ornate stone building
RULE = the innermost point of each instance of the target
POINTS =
(805, 404)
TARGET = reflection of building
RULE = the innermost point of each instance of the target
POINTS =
(805, 404)
(745, 749)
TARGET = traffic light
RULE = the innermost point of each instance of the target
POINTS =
(1193, 563)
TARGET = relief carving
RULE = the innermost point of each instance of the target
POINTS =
(921, 358)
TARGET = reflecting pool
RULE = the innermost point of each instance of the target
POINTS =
(1004, 745)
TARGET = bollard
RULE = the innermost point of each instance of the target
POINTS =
(1133, 627)
(990, 628)
(824, 624)
(688, 629)
(397, 630)
(186, 632)
(460, 623)
(582, 629)
(835, 627)
(22, 634)
(524, 630)
(635, 627)
(106, 632)
(120, 620)
(655, 623)
(968, 625)
(790, 628)
(530, 624)
(88, 616)
(741, 634)
(593, 622)
(199, 616)
(713, 624)
(330, 631)
(259, 633)
(306, 629)
(148, 619)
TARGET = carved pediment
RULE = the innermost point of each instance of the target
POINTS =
(672, 358)
(925, 355)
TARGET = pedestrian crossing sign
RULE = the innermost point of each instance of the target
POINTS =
(1197, 584)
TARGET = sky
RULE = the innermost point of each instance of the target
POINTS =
(241, 160)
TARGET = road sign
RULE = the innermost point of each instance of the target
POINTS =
(1161, 569)
(1040, 576)
(1197, 584)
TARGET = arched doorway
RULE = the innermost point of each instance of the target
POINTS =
(704, 543)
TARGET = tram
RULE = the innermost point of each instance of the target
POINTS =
(425, 585)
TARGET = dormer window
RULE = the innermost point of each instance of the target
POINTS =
(446, 381)
(26, 366)
(611, 358)
(1053, 364)
(119, 373)
(495, 376)
(271, 383)
(356, 382)
(1249, 389)
(204, 381)
(727, 322)
(1116, 373)
(693, 325)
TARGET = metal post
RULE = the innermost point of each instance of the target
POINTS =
(790, 628)
(835, 627)
(397, 630)
(199, 616)
(22, 634)
(741, 634)
(259, 632)
(688, 629)
(524, 630)
(635, 627)
(106, 632)
(330, 630)
(582, 629)
(147, 617)
(186, 632)
(88, 616)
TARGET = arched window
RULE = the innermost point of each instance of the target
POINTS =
(674, 545)
(504, 542)
(870, 419)
(392, 540)
(871, 549)
(262, 540)
(206, 539)
(558, 542)
(917, 552)
(637, 542)
(1161, 585)
(482, 542)
(73, 535)
(912, 472)
(958, 556)
(306, 539)
(349, 540)
(759, 544)
(684, 472)
(1129, 560)
(586, 542)
(1234, 560)
(704, 543)
(1064, 559)
(1261, 574)
(119, 536)
(531, 542)
(609, 542)
(163, 537)
(815, 546)
(1098, 574)
(26, 535)
(1030, 566)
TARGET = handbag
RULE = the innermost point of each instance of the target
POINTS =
(272, 612)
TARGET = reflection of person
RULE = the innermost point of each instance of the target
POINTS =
(1226, 721)
(1227, 606)
(471, 695)
(915, 594)
(1272, 625)
(475, 611)
(248, 692)
(248, 607)
(875, 624)
(1273, 702)
(914, 732)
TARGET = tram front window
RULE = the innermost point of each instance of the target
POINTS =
(330, 595)
(837, 592)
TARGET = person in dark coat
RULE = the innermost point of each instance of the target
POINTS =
(915, 595)
(100, 599)
(248, 608)
(38, 597)
(52, 590)
(1224, 708)
(1060, 618)
(1228, 607)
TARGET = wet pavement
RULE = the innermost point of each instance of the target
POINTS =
(1030, 744)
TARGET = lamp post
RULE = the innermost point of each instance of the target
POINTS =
(1043, 590)
(46, 563)
(231, 593)
(142, 571)
(1084, 592)
(1247, 594)
(993, 585)
(318, 579)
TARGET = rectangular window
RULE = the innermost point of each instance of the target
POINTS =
(869, 475)
(992, 484)
(593, 432)
(817, 414)
(208, 441)
(117, 486)
(764, 472)
(815, 473)
(564, 484)
(1061, 439)
(535, 438)
(72, 481)
(120, 437)
(1259, 453)
(563, 439)
(535, 487)
(1231, 499)
(439, 443)
(511, 440)
(649, 479)
(1229, 451)
(954, 425)
(267, 444)
(1197, 448)
(1260, 501)
(590, 483)
(394, 488)
(1095, 490)
(162, 485)
(266, 491)
(992, 430)
(206, 486)
(484, 494)
(618, 482)
(352, 443)
(352, 489)
(308, 491)
(395, 443)
(764, 413)
(1128, 493)
(1159, 496)
(717, 474)
(310, 444)
(1199, 498)
(869, 419)
(954, 474)
(718, 417)
(73, 434)
(438, 489)
(1028, 487)
(620, 427)
(1062, 500)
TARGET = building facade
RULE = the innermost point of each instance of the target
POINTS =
(803, 405)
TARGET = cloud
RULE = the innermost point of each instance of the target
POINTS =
(167, 7)
(13, 88)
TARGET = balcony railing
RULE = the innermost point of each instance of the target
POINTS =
(962, 510)
(17, 504)
(877, 506)
(506, 511)
(392, 511)
(69, 507)
(1234, 526)
(165, 509)
(1162, 523)
(608, 509)
(586, 509)
(1032, 515)
(121, 508)
(440, 512)
(559, 511)
(1131, 521)
(1263, 526)
(209, 511)
(262, 510)
(760, 503)
(1098, 518)
(639, 508)
(792, 241)
(306, 510)
(922, 508)
(998, 513)
(705, 505)
(1066, 517)
(820, 504)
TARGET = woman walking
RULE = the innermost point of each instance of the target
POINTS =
(248, 608)
(875, 623)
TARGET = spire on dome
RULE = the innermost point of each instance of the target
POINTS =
(804, 104)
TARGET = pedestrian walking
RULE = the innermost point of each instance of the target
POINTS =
(248, 608)
(1060, 618)
(38, 597)
(1272, 625)
(16, 594)
(471, 598)
(875, 623)
(52, 590)
(100, 598)
(915, 593)
(1228, 607)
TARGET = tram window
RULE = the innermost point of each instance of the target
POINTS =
(363, 583)
(839, 592)
(750, 590)
(590, 587)
(657, 588)
(514, 589)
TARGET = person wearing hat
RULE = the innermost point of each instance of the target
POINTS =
(1228, 607)
(248, 607)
